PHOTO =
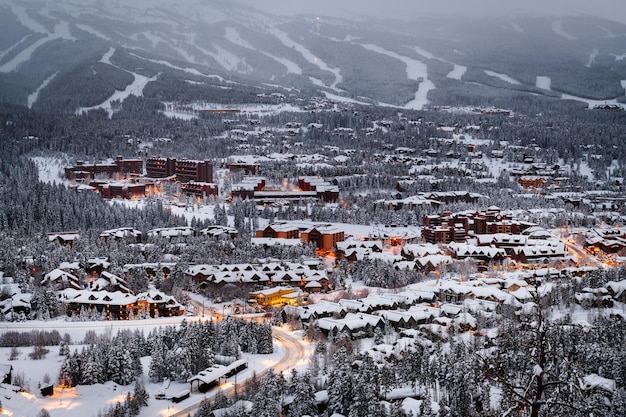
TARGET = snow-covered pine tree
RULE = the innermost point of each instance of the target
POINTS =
(340, 383)
(92, 372)
(303, 398)
(365, 400)
(265, 343)
(267, 401)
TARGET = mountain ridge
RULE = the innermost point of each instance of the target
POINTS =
(57, 52)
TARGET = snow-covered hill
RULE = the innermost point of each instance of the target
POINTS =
(52, 58)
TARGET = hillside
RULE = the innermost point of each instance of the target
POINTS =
(68, 57)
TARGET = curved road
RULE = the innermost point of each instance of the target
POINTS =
(294, 356)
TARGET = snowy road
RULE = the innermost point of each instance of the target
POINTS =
(295, 355)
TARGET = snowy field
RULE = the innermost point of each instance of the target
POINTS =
(415, 70)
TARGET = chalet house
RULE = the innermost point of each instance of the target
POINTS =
(353, 305)
(503, 240)
(278, 296)
(270, 274)
(355, 324)
(200, 273)
(315, 286)
(172, 232)
(456, 292)
(609, 240)
(538, 254)
(112, 305)
(150, 269)
(431, 263)
(354, 250)
(418, 297)
(17, 305)
(415, 316)
(413, 251)
(158, 304)
(617, 290)
(488, 293)
(245, 279)
(594, 297)
(532, 181)
(314, 311)
(246, 168)
(118, 305)
(217, 231)
(122, 233)
(454, 196)
(108, 282)
(465, 322)
(97, 265)
(410, 202)
(379, 302)
(355, 254)
(58, 280)
(64, 238)
(398, 319)
(483, 254)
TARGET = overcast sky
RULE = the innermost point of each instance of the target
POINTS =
(611, 9)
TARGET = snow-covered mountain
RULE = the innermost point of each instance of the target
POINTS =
(67, 56)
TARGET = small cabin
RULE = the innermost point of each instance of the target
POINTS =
(181, 396)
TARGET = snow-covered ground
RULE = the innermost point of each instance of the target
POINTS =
(50, 169)
(457, 71)
(93, 31)
(188, 70)
(61, 31)
(255, 109)
(227, 59)
(308, 55)
(233, 36)
(557, 27)
(593, 103)
(342, 99)
(503, 77)
(12, 47)
(415, 70)
(172, 114)
(23, 56)
(592, 58)
(543, 82)
(32, 98)
(135, 88)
